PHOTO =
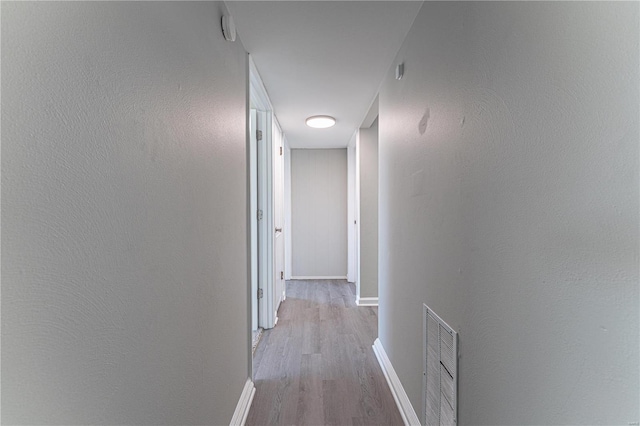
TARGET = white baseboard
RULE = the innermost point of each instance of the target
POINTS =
(407, 412)
(244, 404)
(318, 278)
(367, 301)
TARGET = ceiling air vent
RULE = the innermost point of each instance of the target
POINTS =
(440, 386)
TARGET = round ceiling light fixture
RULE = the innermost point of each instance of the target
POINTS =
(320, 121)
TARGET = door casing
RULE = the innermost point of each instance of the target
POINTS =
(270, 247)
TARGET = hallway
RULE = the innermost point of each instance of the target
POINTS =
(506, 201)
(317, 366)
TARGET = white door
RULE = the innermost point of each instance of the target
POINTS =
(253, 215)
(278, 210)
(263, 215)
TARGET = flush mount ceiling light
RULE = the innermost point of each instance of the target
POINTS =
(320, 121)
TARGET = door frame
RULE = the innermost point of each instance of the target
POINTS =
(268, 124)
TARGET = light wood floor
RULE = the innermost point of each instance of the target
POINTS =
(317, 367)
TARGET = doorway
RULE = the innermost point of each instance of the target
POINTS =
(266, 209)
(256, 125)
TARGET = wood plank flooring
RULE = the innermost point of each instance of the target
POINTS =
(317, 367)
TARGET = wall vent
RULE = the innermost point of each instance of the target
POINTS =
(440, 384)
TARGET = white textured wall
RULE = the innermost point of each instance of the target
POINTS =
(368, 147)
(124, 268)
(509, 204)
(319, 212)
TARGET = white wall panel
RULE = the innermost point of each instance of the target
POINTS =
(319, 212)
(509, 186)
(124, 214)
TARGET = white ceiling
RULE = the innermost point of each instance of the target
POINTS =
(322, 58)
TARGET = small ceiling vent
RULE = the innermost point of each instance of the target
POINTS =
(440, 386)
(228, 28)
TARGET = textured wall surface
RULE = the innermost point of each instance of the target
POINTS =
(319, 212)
(368, 154)
(124, 268)
(509, 204)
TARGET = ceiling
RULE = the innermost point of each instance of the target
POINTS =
(322, 58)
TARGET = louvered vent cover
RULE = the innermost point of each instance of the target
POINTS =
(440, 387)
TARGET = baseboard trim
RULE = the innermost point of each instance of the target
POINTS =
(367, 301)
(244, 404)
(299, 277)
(407, 412)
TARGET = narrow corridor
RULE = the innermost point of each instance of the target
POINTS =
(317, 366)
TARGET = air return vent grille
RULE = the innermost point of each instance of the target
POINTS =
(440, 387)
